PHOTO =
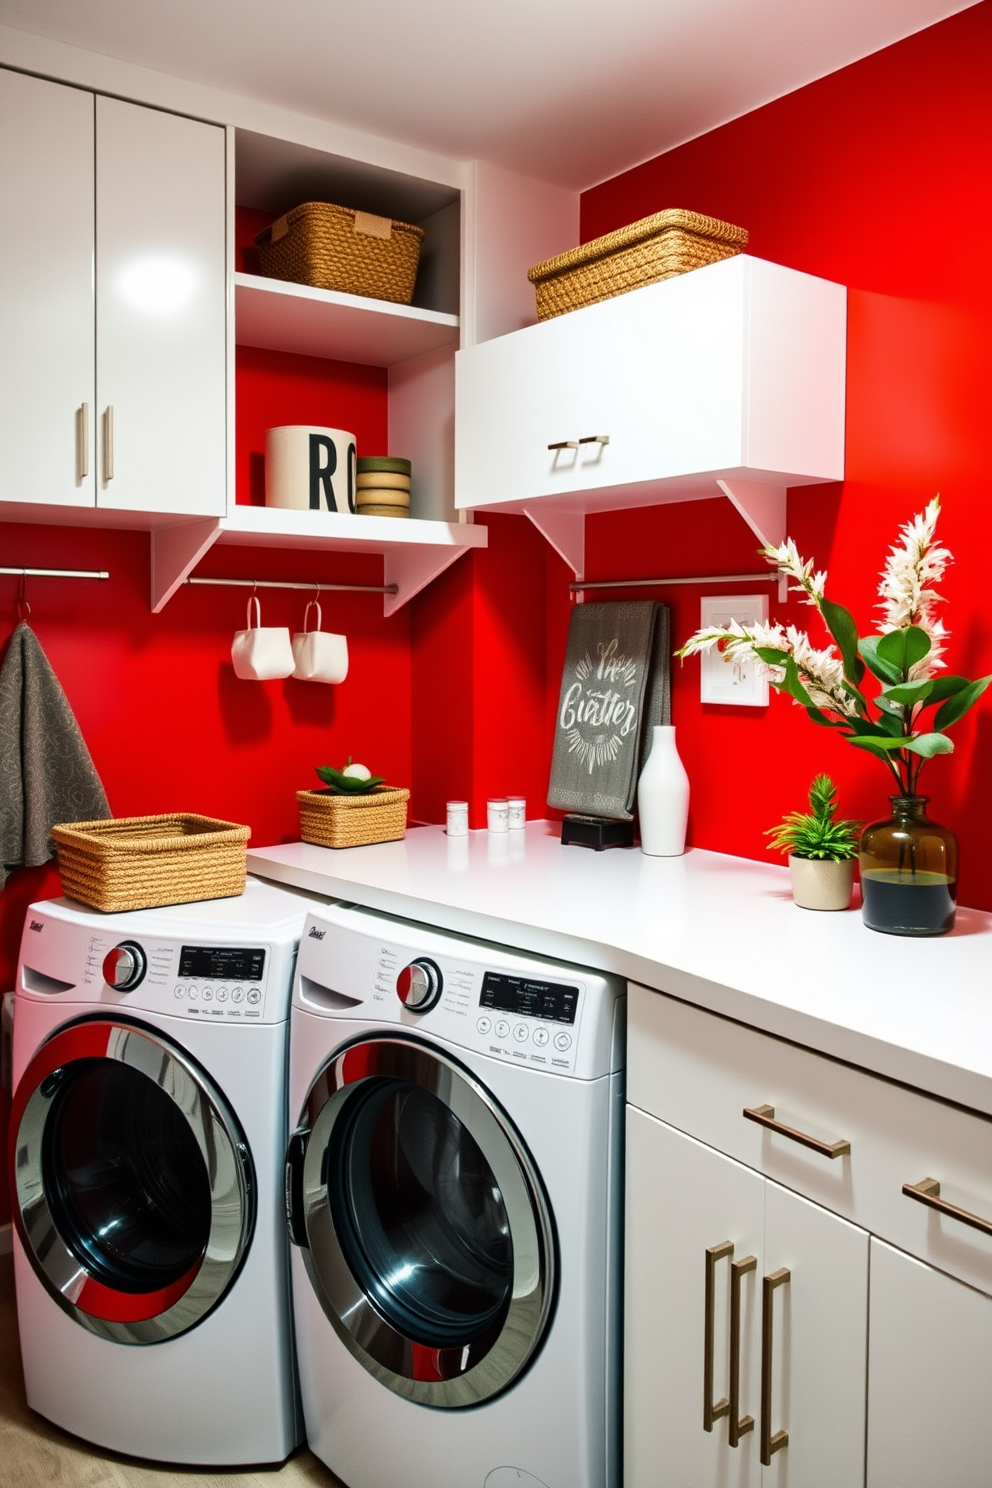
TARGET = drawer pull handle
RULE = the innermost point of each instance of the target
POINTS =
(765, 1116)
(770, 1441)
(739, 1425)
(564, 444)
(595, 439)
(712, 1409)
(927, 1191)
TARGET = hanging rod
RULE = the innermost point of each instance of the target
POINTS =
(293, 584)
(760, 578)
(57, 573)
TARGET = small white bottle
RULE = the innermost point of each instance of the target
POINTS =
(663, 797)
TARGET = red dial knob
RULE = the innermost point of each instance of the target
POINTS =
(418, 985)
(124, 966)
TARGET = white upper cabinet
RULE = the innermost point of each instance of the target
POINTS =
(47, 406)
(733, 370)
(112, 304)
(161, 311)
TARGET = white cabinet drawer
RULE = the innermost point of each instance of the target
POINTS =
(699, 1072)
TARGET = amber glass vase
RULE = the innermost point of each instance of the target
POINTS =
(909, 872)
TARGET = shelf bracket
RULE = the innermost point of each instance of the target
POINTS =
(566, 532)
(762, 506)
(412, 569)
(175, 553)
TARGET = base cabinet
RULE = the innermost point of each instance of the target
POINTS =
(929, 1377)
(708, 1239)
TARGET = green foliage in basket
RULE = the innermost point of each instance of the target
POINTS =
(817, 834)
(353, 780)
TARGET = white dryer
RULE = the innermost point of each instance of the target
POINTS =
(147, 1144)
(454, 1190)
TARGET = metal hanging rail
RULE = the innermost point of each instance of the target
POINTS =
(294, 584)
(56, 573)
(760, 578)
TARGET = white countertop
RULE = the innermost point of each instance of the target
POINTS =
(718, 931)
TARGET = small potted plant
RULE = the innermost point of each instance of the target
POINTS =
(821, 849)
(354, 809)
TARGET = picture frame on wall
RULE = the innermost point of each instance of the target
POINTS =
(732, 682)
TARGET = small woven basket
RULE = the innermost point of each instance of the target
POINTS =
(141, 862)
(658, 247)
(331, 820)
(331, 247)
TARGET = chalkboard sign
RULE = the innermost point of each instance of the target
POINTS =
(615, 684)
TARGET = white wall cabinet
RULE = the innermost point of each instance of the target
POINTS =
(879, 1362)
(693, 1213)
(112, 304)
(47, 328)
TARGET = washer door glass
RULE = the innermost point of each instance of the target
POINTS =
(132, 1181)
(428, 1238)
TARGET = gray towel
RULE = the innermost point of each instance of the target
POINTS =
(46, 773)
(615, 682)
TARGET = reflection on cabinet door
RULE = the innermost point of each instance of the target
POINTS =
(815, 1353)
(161, 299)
(929, 1377)
(46, 292)
(514, 397)
(683, 1201)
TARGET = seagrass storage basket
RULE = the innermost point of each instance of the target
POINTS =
(141, 862)
(331, 247)
(657, 247)
(332, 820)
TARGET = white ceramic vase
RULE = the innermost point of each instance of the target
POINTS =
(663, 797)
(821, 883)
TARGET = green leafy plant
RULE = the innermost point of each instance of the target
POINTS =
(352, 780)
(817, 834)
(905, 656)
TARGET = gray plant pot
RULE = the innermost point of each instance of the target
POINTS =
(821, 884)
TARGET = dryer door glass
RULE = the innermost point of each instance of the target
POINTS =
(133, 1186)
(428, 1236)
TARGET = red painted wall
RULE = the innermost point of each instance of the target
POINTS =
(877, 176)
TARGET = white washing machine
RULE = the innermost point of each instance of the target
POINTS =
(147, 1147)
(454, 1193)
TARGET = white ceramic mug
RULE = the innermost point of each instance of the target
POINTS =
(310, 469)
(261, 653)
(319, 656)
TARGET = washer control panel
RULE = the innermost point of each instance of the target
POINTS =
(221, 981)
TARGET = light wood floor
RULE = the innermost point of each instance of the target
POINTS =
(34, 1454)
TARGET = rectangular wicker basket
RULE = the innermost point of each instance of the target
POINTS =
(331, 247)
(332, 820)
(657, 247)
(141, 862)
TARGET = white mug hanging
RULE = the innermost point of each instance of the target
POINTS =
(319, 656)
(261, 653)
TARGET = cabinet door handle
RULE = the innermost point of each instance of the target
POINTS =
(927, 1191)
(770, 1441)
(595, 439)
(765, 1116)
(83, 441)
(108, 442)
(564, 444)
(739, 1425)
(712, 1409)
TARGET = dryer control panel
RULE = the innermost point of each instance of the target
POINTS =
(519, 1008)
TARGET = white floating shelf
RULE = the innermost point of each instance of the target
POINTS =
(413, 551)
(279, 316)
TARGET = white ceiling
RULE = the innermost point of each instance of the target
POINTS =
(571, 91)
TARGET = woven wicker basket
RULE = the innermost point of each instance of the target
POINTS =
(332, 820)
(140, 862)
(332, 247)
(658, 247)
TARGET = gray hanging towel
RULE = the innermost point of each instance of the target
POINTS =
(615, 673)
(46, 773)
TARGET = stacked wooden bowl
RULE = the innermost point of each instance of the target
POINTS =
(382, 486)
